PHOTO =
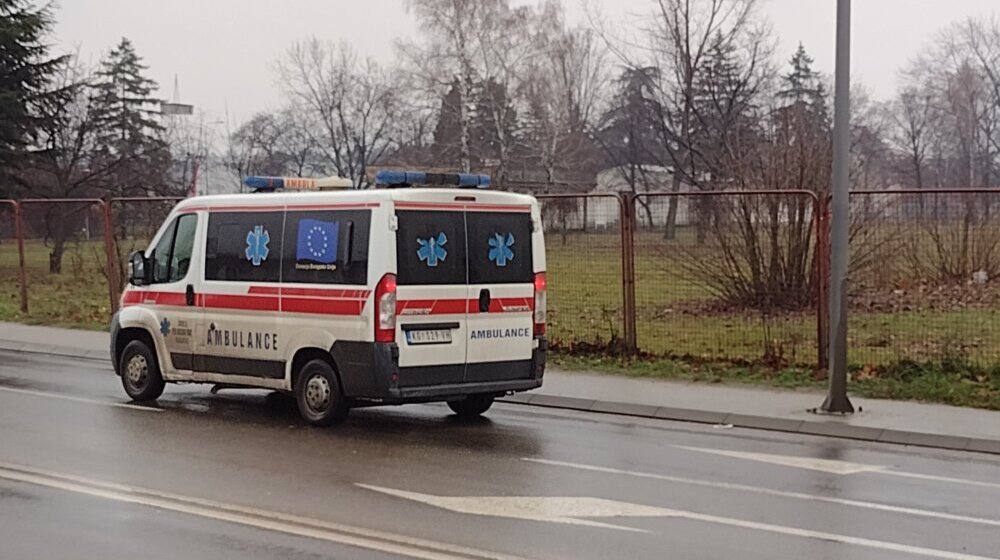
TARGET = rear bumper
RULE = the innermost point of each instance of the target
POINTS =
(445, 392)
(370, 372)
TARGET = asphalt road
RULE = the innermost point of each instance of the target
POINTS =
(83, 474)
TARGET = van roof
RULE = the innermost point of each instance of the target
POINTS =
(435, 195)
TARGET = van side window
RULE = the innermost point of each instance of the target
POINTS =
(430, 248)
(172, 255)
(326, 247)
(244, 246)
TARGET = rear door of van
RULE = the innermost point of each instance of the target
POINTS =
(500, 290)
(432, 293)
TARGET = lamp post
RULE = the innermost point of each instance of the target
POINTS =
(837, 400)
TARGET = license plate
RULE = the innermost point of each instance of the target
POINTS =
(433, 336)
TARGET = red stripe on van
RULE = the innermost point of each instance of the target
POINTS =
(231, 301)
(261, 298)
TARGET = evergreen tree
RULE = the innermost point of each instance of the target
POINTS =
(447, 133)
(132, 133)
(627, 132)
(803, 87)
(26, 73)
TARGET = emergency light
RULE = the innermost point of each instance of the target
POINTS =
(265, 184)
(396, 179)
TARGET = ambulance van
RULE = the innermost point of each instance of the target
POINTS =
(430, 289)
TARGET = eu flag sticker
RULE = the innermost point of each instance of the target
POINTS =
(317, 244)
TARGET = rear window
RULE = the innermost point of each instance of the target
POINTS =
(430, 248)
(326, 247)
(499, 248)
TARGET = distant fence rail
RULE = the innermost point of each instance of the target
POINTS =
(739, 277)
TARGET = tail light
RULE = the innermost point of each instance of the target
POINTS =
(540, 303)
(385, 308)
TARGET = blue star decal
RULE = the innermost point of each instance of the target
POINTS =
(432, 250)
(165, 326)
(500, 248)
(257, 240)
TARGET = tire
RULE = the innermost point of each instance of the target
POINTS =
(471, 406)
(318, 395)
(140, 372)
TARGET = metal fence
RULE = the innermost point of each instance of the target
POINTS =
(727, 275)
(713, 276)
(584, 243)
(924, 276)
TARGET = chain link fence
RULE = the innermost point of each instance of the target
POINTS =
(65, 251)
(924, 277)
(583, 245)
(10, 270)
(717, 276)
(727, 276)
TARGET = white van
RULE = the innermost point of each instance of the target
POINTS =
(348, 298)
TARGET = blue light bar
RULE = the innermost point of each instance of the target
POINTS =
(254, 182)
(413, 178)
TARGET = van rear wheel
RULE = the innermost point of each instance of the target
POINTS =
(471, 406)
(318, 395)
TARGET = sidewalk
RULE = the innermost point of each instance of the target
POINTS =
(886, 421)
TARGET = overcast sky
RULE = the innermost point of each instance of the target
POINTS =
(223, 50)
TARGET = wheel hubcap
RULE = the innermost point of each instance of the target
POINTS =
(137, 370)
(318, 393)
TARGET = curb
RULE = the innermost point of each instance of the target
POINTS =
(805, 427)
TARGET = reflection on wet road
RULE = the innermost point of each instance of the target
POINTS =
(237, 474)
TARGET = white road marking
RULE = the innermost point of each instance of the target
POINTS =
(568, 510)
(554, 510)
(836, 467)
(823, 465)
(79, 399)
(774, 493)
(262, 519)
(948, 479)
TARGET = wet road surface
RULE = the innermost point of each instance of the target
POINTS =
(84, 474)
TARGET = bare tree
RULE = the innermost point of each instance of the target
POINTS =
(70, 160)
(562, 88)
(446, 57)
(351, 101)
(678, 38)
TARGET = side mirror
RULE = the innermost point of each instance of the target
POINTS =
(138, 272)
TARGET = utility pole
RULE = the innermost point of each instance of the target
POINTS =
(836, 400)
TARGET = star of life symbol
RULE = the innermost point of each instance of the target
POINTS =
(165, 326)
(432, 250)
(500, 248)
(257, 240)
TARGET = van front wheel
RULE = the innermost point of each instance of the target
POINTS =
(140, 372)
(471, 406)
(318, 395)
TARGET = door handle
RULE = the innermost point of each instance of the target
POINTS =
(484, 301)
(189, 294)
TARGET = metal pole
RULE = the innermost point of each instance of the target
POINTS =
(836, 400)
(22, 269)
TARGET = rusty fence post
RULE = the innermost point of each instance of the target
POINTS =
(111, 266)
(21, 265)
(626, 205)
(822, 280)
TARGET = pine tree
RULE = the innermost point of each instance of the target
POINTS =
(132, 133)
(26, 73)
(803, 86)
(626, 133)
